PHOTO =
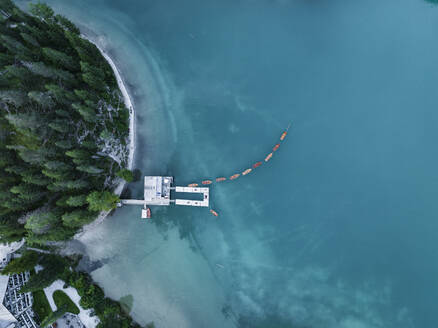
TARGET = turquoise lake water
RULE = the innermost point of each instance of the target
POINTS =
(340, 229)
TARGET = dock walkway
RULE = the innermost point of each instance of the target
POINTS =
(157, 192)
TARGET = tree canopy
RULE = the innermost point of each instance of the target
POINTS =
(126, 175)
(63, 127)
(102, 201)
(20, 264)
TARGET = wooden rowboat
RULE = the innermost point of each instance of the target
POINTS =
(214, 212)
(256, 165)
(284, 134)
(246, 171)
(234, 176)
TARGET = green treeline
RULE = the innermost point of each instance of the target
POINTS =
(63, 127)
(60, 298)
(110, 312)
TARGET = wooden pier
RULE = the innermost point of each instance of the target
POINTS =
(157, 192)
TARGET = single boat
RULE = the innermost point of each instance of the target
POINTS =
(220, 179)
(193, 185)
(256, 165)
(268, 157)
(234, 176)
(276, 147)
(207, 182)
(214, 212)
(219, 265)
(246, 171)
(284, 134)
(146, 213)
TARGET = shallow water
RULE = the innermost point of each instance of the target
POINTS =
(339, 230)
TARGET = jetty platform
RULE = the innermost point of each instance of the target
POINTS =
(158, 192)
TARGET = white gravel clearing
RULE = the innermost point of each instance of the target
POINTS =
(85, 315)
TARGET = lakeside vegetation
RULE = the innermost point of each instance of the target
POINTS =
(64, 132)
(63, 127)
(61, 299)
(111, 313)
(41, 305)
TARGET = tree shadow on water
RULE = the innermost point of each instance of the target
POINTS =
(126, 302)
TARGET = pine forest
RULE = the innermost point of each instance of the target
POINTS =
(64, 127)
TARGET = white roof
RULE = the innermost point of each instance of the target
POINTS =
(6, 249)
(6, 318)
(157, 190)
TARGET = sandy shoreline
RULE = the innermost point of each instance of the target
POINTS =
(128, 103)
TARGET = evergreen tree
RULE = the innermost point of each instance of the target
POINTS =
(30, 39)
(126, 175)
(42, 220)
(78, 153)
(16, 46)
(39, 68)
(86, 112)
(89, 169)
(41, 10)
(60, 125)
(19, 76)
(57, 166)
(36, 156)
(77, 218)
(71, 184)
(93, 76)
(102, 201)
(60, 58)
(60, 94)
(22, 121)
(21, 188)
(66, 24)
(53, 267)
(64, 144)
(41, 98)
(62, 113)
(84, 95)
(76, 201)
(10, 230)
(26, 262)
(62, 202)
(36, 179)
(55, 174)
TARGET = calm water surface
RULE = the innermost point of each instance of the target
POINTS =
(340, 229)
